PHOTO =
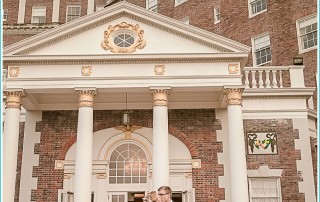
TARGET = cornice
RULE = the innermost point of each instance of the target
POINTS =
(26, 29)
(269, 93)
(312, 114)
(122, 59)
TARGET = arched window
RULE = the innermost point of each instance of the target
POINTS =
(128, 165)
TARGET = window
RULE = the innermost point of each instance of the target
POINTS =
(256, 7)
(128, 165)
(261, 50)
(216, 13)
(38, 14)
(264, 189)
(152, 5)
(307, 32)
(73, 12)
(123, 40)
(178, 2)
(5, 14)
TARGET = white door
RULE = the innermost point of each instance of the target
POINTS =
(189, 196)
(117, 197)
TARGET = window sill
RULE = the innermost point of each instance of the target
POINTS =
(308, 49)
(253, 15)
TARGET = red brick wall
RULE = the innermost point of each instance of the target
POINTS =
(286, 157)
(313, 143)
(9, 39)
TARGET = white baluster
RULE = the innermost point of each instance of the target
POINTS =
(246, 78)
(260, 79)
(268, 79)
(253, 77)
(274, 79)
(280, 79)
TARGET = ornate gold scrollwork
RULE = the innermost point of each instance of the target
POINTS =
(13, 99)
(108, 44)
(234, 96)
(160, 97)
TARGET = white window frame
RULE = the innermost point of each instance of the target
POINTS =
(178, 2)
(69, 6)
(216, 14)
(253, 42)
(152, 5)
(251, 14)
(5, 15)
(43, 10)
(278, 187)
(308, 20)
(263, 172)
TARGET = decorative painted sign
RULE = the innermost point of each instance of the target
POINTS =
(262, 143)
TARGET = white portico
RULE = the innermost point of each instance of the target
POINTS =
(93, 62)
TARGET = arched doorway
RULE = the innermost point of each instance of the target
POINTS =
(122, 167)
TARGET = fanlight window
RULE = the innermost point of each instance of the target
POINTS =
(128, 165)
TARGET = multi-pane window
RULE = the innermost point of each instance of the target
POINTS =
(307, 32)
(152, 5)
(5, 14)
(178, 2)
(73, 12)
(264, 189)
(216, 13)
(261, 50)
(257, 6)
(38, 14)
(128, 165)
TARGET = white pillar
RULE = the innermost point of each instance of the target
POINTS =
(55, 11)
(83, 166)
(10, 143)
(160, 139)
(237, 152)
(90, 8)
(21, 11)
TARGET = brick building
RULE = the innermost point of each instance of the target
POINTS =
(106, 100)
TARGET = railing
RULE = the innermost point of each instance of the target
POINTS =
(273, 77)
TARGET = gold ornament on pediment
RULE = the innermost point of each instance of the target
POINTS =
(233, 68)
(14, 71)
(86, 70)
(123, 38)
(159, 69)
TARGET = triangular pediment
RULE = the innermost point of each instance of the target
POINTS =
(160, 35)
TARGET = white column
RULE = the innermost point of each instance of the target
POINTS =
(22, 11)
(10, 143)
(83, 167)
(90, 8)
(237, 152)
(55, 11)
(160, 139)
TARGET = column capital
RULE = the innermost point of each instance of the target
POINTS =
(86, 97)
(13, 98)
(160, 96)
(233, 96)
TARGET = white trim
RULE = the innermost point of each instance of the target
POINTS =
(258, 13)
(55, 11)
(22, 11)
(4, 14)
(264, 171)
(312, 17)
(153, 7)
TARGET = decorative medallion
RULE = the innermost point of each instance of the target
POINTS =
(123, 38)
(101, 176)
(233, 68)
(262, 143)
(14, 71)
(159, 69)
(86, 70)
(58, 164)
